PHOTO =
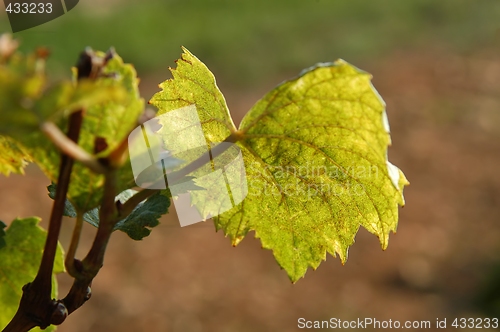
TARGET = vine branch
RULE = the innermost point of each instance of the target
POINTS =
(37, 308)
(108, 216)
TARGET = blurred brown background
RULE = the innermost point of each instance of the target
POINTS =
(436, 64)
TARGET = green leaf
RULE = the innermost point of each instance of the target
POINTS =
(193, 83)
(144, 216)
(69, 209)
(26, 100)
(315, 154)
(113, 120)
(19, 261)
(136, 225)
(112, 106)
(22, 81)
(107, 122)
(13, 158)
(66, 97)
(110, 122)
(315, 150)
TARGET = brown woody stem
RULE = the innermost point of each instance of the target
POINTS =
(37, 308)
(92, 263)
(70, 262)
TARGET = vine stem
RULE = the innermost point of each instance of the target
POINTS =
(92, 263)
(37, 307)
(44, 276)
(69, 262)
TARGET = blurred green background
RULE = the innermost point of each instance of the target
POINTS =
(245, 42)
(437, 65)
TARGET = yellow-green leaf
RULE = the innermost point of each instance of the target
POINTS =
(105, 119)
(13, 158)
(193, 83)
(315, 150)
(315, 154)
(19, 261)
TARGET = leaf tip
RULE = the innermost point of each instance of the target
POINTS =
(187, 55)
(340, 62)
(384, 241)
(236, 240)
(343, 256)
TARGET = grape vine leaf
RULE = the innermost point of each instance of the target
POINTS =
(137, 224)
(26, 100)
(107, 121)
(316, 146)
(112, 106)
(193, 83)
(13, 158)
(19, 261)
(315, 153)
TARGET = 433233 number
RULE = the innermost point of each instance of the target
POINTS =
(29, 8)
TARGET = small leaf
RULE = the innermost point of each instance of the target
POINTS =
(69, 209)
(13, 157)
(144, 216)
(19, 261)
(136, 225)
